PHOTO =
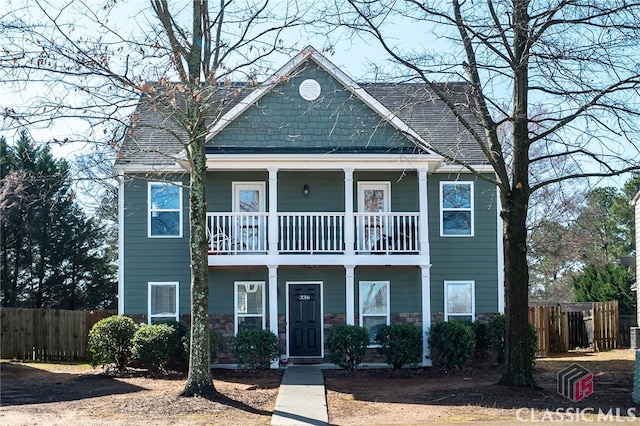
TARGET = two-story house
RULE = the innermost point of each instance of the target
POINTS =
(327, 204)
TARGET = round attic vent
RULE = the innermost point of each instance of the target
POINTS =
(309, 90)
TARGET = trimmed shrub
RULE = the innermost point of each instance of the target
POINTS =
(400, 344)
(180, 354)
(256, 349)
(482, 339)
(495, 337)
(452, 343)
(347, 345)
(153, 345)
(110, 341)
(215, 344)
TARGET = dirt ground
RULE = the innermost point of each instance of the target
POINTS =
(424, 396)
(63, 394)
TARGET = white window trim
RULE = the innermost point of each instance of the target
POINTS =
(385, 186)
(471, 208)
(235, 304)
(175, 315)
(258, 186)
(151, 210)
(472, 314)
(388, 307)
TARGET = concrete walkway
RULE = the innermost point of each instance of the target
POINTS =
(301, 399)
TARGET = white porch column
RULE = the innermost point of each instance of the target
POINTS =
(426, 313)
(121, 245)
(273, 305)
(272, 224)
(425, 253)
(423, 228)
(350, 294)
(349, 222)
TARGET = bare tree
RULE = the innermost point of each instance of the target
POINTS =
(578, 59)
(111, 69)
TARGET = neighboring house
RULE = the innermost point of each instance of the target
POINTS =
(326, 206)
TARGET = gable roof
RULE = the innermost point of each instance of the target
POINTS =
(413, 110)
(309, 53)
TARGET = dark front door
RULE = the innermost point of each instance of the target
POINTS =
(305, 338)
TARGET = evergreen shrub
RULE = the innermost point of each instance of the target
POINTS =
(110, 341)
(153, 345)
(400, 344)
(256, 349)
(495, 337)
(452, 343)
(347, 345)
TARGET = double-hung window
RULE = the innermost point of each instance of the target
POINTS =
(456, 209)
(374, 306)
(163, 302)
(249, 305)
(165, 209)
(459, 300)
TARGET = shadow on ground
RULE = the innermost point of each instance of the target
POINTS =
(266, 379)
(23, 385)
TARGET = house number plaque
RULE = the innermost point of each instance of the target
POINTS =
(304, 297)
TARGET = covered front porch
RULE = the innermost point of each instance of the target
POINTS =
(326, 213)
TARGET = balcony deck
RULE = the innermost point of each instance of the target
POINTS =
(313, 233)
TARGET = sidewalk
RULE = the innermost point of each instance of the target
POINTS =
(301, 398)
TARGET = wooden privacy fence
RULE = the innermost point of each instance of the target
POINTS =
(566, 326)
(626, 322)
(47, 334)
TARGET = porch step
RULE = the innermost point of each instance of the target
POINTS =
(305, 361)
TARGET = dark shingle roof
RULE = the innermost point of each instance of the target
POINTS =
(154, 137)
(421, 109)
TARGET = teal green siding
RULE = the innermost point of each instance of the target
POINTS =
(452, 258)
(333, 285)
(281, 119)
(152, 259)
(326, 191)
(405, 286)
(404, 188)
(219, 188)
(465, 258)
(221, 282)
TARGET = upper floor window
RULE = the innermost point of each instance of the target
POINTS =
(374, 306)
(165, 209)
(459, 300)
(456, 209)
(163, 302)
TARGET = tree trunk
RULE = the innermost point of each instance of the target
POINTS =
(517, 368)
(199, 381)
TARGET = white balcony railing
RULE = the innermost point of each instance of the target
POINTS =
(237, 233)
(385, 233)
(312, 233)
